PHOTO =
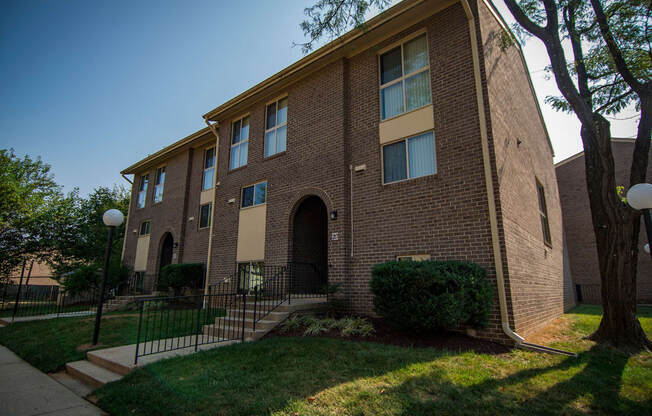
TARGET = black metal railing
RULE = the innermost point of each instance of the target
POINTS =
(38, 300)
(178, 322)
(270, 292)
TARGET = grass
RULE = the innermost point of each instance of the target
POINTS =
(320, 376)
(49, 344)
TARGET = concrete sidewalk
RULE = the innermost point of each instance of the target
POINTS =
(25, 391)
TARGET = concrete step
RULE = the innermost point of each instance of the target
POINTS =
(271, 316)
(72, 384)
(248, 322)
(235, 331)
(91, 374)
(114, 366)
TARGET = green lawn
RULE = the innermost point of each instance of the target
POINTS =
(49, 344)
(318, 376)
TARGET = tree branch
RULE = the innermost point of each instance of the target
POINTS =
(525, 21)
(613, 48)
(576, 43)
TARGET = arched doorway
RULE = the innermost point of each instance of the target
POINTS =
(310, 247)
(166, 251)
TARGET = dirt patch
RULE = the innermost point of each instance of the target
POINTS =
(555, 331)
(387, 334)
(86, 347)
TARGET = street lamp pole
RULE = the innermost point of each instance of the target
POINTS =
(112, 218)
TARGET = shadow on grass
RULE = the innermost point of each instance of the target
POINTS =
(590, 383)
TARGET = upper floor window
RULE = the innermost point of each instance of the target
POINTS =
(142, 190)
(209, 169)
(543, 213)
(145, 227)
(205, 215)
(158, 185)
(405, 77)
(239, 143)
(276, 121)
(409, 158)
(254, 195)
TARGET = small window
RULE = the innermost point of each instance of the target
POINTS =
(254, 195)
(239, 143)
(410, 158)
(543, 213)
(142, 190)
(145, 227)
(205, 215)
(405, 78)
(158, 185)
(209, 169)
(276, 127)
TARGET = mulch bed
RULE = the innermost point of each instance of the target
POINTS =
(387, 334)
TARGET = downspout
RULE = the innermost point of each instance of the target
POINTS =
(493, 218)
(213, 127)
(124, 237)
(351, 197)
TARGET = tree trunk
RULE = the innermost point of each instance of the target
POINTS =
(616, 227)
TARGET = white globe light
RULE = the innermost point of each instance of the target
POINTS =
(647, 248)
(639, 196)
(112, 218)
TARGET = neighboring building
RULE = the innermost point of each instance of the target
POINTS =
(40, 275)
(415, 137)
(578, 226)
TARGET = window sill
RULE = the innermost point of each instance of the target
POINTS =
(274, 156)
(235, 170)
(252, 206)
(417, 179)
(382, 120)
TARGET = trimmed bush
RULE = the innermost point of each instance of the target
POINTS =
(87, 278)
(432, 295)
(181, 276)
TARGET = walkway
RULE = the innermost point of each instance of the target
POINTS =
(9, 320)
(25, 391)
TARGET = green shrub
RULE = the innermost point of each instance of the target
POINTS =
(87, 278)
(181, 276)
(432, 295)
(315, 326)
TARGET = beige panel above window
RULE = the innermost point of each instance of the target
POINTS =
(142, 250)
(408, 124)
(251, 233)
(206, 197)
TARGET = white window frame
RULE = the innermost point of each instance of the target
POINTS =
(158, 185)
(277, 126)
(407, 158)
(143, 184)
(214, 168)
(254, 204)
(149, 228)
(210, 215)
(239, 144)
(403, 76)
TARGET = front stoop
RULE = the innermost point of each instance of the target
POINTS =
(234, 319)
(111, 364)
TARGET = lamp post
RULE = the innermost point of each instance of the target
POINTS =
(112, 218)
(639, 197)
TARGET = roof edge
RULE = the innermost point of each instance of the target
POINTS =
(164, 152)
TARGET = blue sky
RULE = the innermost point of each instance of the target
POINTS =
(93, 86)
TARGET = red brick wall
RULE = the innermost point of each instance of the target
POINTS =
(579, 229)
(523, 155)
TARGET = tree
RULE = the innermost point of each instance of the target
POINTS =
(611, 68)
(27, 191)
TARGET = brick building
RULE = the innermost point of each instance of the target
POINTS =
(578, 227)
(415, 137)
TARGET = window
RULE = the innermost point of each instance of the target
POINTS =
(145, 227)
(205, 215)
(142, 190)
(158, 185)
(239, 143)
(276, 127)
(250, 275)
(543, 213)
(254, 195)
(209, 169)
(405, 78)
(409, 158)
